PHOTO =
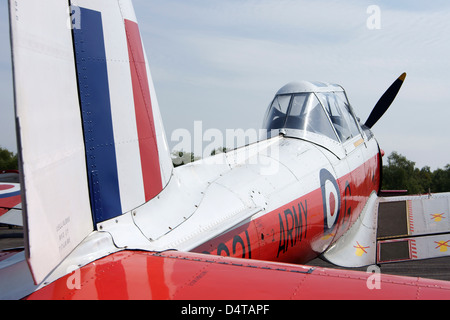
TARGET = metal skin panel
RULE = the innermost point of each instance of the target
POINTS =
(144, 116)
(51, 148)
(308, 86)
(429, 215)
(138, 150)
(58, 142)
(305, 226)
(130, 181)
(419, 248)
(426, 226)
(202, 193)
(165, 159)
(325, 142)
(358, 246)
(187, 276)
(90, 57)
(142, 158)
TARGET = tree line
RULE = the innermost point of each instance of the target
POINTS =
(399, 173)
(8, 160)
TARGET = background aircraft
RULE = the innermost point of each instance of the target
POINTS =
(107, 216)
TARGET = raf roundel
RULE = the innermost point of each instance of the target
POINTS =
(8, 190)
(331, 199)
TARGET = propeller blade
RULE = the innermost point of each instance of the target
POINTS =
(385, 101)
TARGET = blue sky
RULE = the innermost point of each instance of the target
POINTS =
(222, 61)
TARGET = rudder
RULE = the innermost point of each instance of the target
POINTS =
(91, 139)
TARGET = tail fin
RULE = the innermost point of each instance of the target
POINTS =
(91, 140)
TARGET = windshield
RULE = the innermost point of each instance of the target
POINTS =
(301, 111)
(277, 112)
(337, 106)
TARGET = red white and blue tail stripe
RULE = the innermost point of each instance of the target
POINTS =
(123, 158)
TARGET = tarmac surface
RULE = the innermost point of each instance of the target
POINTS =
(432, 269)
(11, 238)
(438, 268)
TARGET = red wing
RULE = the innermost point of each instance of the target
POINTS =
(181, 276)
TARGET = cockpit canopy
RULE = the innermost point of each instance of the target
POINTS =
(312, 107)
